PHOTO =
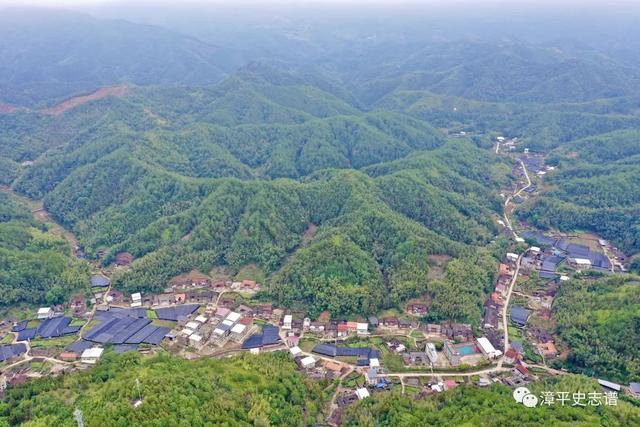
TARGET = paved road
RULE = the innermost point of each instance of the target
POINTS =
(505, 309)
(445, 374)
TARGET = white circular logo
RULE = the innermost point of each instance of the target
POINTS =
(520, 393)
(530, 400)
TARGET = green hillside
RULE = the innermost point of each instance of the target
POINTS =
(491, 407)
(243, 391)
(600, 322)
(595, 189)
(35, 264)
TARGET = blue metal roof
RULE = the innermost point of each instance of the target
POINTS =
(53, 327)
(120, 336)
(176, 313)
(27, 334)
(270, 335)
(20, 326)
(99, 281)
(334, 351)
(12, 350)
(79, 346)
(579, 251)
(143, 333)
(254, 341)
(123, 348)
(519, 315)
(157, 336)
(326, 349)
(131, 312)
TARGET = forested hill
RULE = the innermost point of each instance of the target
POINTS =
(267, 390)
(596, 188)
(35, 265)
(489, 407)
(335, 176)
(243, 391)
(268, 168)
(50, 55)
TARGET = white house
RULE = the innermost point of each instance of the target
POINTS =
(136, 300)
(45, 313)
(233, 317)
(192, 325)
(238, 331)
(295, 351)
(91, 355)
(374, 363)
(308, 362)
(201, 319)
(487, 348)
(512, 257)
(287, 321)
(362, 393)
(362, 328)
(196, 341)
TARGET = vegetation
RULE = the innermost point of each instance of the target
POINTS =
(594, 189)
(469, 406)
(35, 265)
(246, 390)
(600, 322)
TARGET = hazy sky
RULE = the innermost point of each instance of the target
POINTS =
(73, 3)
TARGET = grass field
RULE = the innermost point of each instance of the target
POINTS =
(54, 342)
(167, 323)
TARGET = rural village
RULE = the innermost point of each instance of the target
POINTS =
(200, 316)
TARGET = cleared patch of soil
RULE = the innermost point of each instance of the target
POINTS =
(118, 91)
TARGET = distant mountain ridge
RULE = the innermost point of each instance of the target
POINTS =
(48, 56)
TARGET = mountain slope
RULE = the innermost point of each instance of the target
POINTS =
(49, 55)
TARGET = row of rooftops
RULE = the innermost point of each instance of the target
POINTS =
(573, 250)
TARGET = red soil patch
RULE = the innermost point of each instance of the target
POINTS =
(76, 101)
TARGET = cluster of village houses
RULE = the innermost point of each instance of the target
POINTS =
(223, 323)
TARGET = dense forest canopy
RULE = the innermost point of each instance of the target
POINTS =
(233, 162)
(35, 264)
(600, 322)
(243, 391)
(337, 151)
(490, 407)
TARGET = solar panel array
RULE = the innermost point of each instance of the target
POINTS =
(27, 334)
(12, 350)
(123, 348)
(179, 312)
(20, 326)
(124, 326)
(79, 346)
(270, 335)
(52, 328)
(334, 351)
